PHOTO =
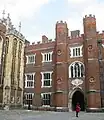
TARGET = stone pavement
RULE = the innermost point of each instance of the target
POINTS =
(42, 115)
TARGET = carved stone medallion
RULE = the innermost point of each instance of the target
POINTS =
(59, 81)
(58, 52)
(91, 80)
(77, 82)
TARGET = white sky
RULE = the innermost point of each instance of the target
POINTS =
(26, 10)
(86, 7)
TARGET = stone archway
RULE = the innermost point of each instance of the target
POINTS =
(76, 96)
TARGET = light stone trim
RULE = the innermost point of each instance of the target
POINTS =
(71, 51)
(73, 63)
(92, 59)
(42, 80)
(29, 80)
(41, 49)
(32, 55)
(46, 53)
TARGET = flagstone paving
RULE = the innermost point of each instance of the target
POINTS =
(41, 115)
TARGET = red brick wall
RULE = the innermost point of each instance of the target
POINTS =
(92, 65)
(61, 63)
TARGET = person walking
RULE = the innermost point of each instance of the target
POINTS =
(77, 109)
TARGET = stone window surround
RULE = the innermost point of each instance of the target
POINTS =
(42, 79)
(27, 61)
(47, 53)
(27, 96)
(29, 80)
(74, 48)
(73, 63)
(42, 94)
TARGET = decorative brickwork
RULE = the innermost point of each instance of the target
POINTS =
(75, 66)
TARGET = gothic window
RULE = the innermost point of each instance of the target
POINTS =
(72, 71)
(14, 49)
(1, 43)
(6, 45)
(19, 60)
(76, 70)
(82, 69)
(20, 48)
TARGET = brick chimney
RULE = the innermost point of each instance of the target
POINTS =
(75, 33)
(44, 39)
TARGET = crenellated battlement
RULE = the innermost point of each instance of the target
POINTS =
(61, 22)
(100, 32)
(89, 16)
(44, 40)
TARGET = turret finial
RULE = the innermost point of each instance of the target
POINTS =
(8, 15)
(19, 26)
(3, 13)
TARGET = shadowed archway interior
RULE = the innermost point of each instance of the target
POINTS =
(78, 97)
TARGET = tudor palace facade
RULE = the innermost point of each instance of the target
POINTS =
(12, 44)
(60, 73)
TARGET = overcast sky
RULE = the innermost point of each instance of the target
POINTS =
(38, 17)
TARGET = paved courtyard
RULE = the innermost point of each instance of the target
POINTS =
(36, 115)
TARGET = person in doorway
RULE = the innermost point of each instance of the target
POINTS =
(77, 109)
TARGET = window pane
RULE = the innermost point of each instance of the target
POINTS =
(82, 71)
(45, 57)
(46, 99)
(47, 83)
(75, 71)
(73, 52)
(30, 84)
(49, 57)
(49, 77)
(79, 51)
(72, 71)
(29, 97)
(31, 59)
(76, 51)
(30, 77)
(79, 71)
(46, 75)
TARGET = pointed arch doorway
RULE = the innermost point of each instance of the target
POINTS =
(76, 96)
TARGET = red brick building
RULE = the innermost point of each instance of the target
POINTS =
(60, 73)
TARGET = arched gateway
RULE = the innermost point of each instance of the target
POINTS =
(76, 96)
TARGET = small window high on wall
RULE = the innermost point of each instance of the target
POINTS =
(76, 52)
(30, 59)
(47, 57)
